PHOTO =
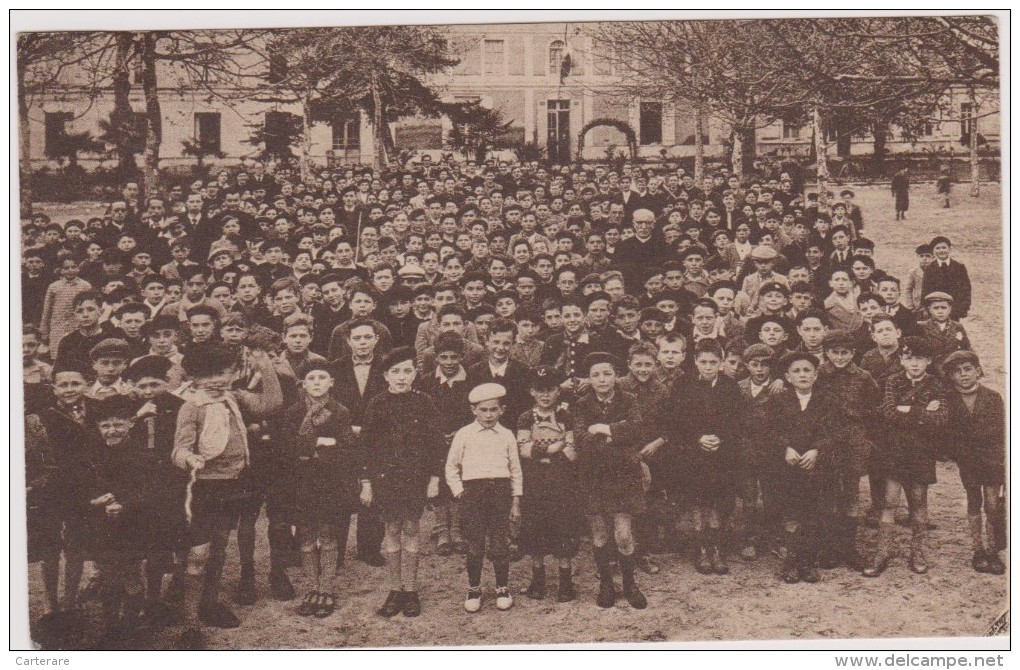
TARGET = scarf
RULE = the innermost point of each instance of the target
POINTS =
(216, 426)
(317, 413)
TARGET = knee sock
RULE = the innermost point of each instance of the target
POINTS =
(73, 569)
(602, 557)
(246, 543)
(997, 529)
(311, 564)
(627, 570)
(474, 570)
(393, 569)
(501, 566)
(279, 546)
(409, 570)
(153, 581)
(977, 535)
(51, 582)
(327, 567)
(214, 571)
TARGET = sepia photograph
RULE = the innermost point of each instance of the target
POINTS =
(401, 333)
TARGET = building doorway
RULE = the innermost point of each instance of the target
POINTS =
(558, 137)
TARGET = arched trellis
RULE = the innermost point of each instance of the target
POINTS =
(622, 126)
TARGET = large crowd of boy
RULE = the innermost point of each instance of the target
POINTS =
(543, 355)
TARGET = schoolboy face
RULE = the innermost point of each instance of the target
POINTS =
(772, 334)
(474, 291)
(487, 412)
(201, 327)
(801, 301)
(546, 399)
(694, 263)
(651, 328)
(400, 308)
(941, 251)
(862, 271)
(626, 319)
(233, 334)
(813, 255)
(760, 370)
(29, 346)
(544, 269)
(801, 375)
(839, 356)
(840, 240)
(448, 362)
(840, 283)
(869, 309)
(572, 318)
(886, 335)
(965, 375)
(362, 341)
(86, 315)
(731, 365)
(498, 345)
(131, 323)
(915, 366)
(890, 292)
(317, 383)
(505, 307)
(68, 386)
(297, 339)
(153, 293)
(925, 259)
(400, 377)
(798, 274)
(708, 365)
(114, 430)
(162, 341)
(642, 367)
(940, 310)
(671, 355)
(602, 377)
(362, 305)
(148, 388)
(773, 301)
(553, 319)
(527, 330)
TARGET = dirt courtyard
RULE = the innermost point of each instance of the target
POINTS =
(750, 603)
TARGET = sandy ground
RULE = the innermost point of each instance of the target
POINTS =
(749, 604)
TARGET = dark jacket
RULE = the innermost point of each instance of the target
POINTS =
(515, 381)
(952, 279)
(978, 437)
(345, 390)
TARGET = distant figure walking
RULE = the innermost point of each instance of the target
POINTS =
(943, 186)
(901, 193)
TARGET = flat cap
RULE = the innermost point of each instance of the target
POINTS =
(771, 286)
(936, 296)
(763, 252)
(157, 367)
(487, 391)
(838, 338)
(111, 346)
(759, 351)
(958, 358)
(916, 346)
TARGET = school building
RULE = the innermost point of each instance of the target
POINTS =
(518, 69)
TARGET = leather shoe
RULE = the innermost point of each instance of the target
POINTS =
(980, 562)
(918, 562)
(218, 615)
(280, 586)
(995, 564)
(719, 565)
(412, 604)
(394, 603)
(809, 574)
(607, 594)
(790, 574)
(375, 560)
(877, 566)
(634, 596)
(703, 563)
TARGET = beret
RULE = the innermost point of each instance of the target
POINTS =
(597, 357)
(754, 324)
(487, 391)
(959, 358)
(653, 314)
(545, 377)
(397, 356)
(148, 366)
(759, 351)
(111, 346)
(318, 365)
(411, 270)
(916, 346)
(789, 359)
(763, 253)
(838, 338)
(116, 406)
(936, 296)
(774, 286)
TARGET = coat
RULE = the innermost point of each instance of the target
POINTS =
(907, 452)
(402, 447)
(324, 477)
(952, 279)
(978, 437)
(611, 472)
(345, 388)
(695, 408)
(515, 381)
(855, 397)
(944, 342)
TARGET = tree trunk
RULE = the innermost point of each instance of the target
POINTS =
(699, 143)
(975, 166)
(744, 149)
(306, 140)
(379, 145)
(120, 120)
(153, 113)
(822, 158)
(844, 138)
(24, 145)
(881, 134)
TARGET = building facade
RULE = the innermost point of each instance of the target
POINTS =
(517, 69)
